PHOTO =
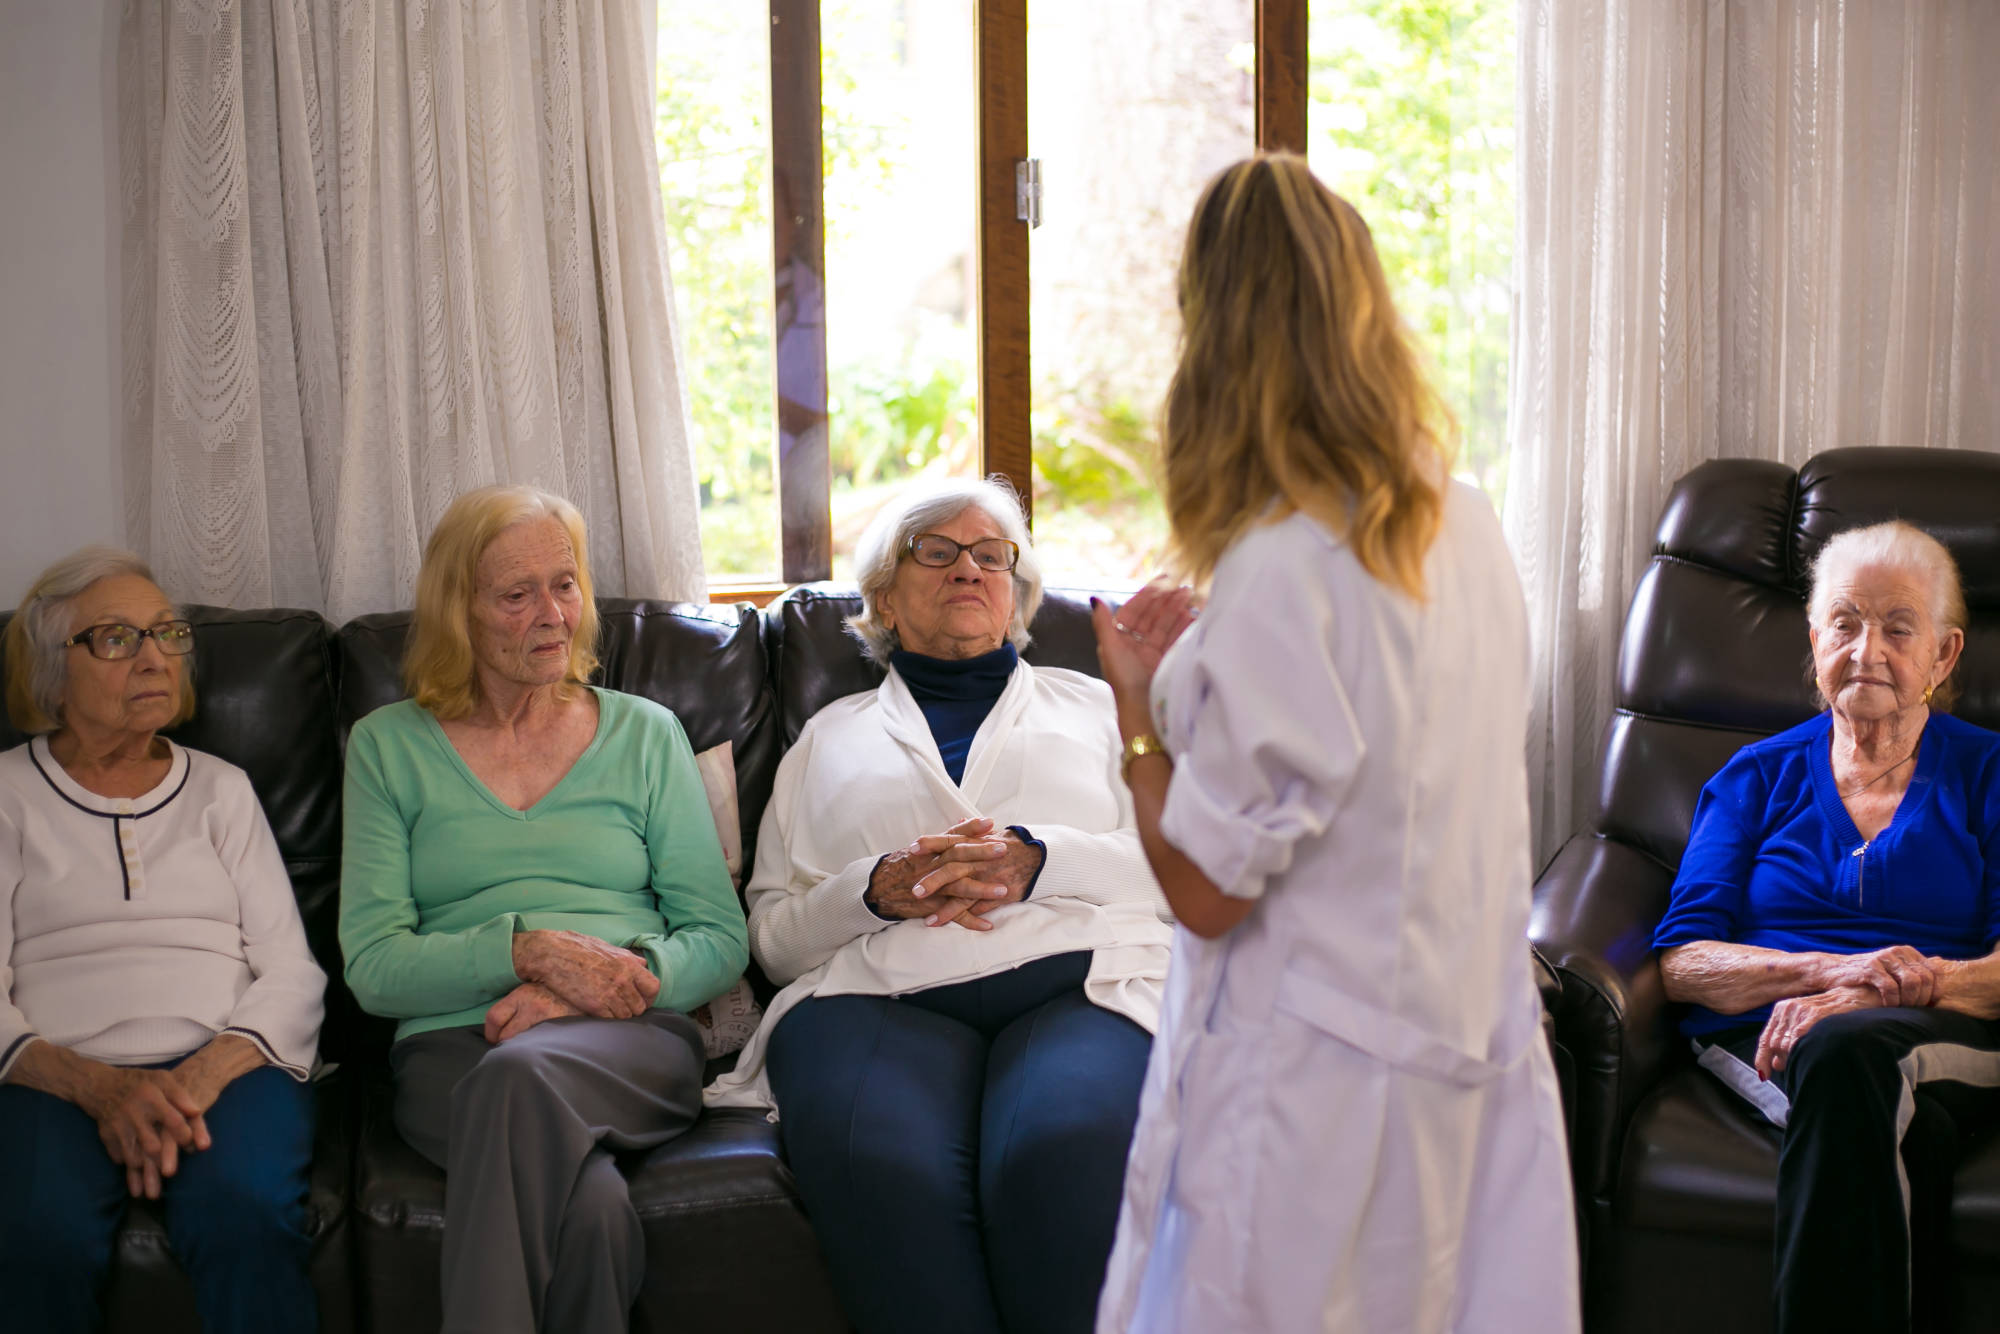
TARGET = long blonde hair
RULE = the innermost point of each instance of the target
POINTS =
(438, 664)
(1297, 388)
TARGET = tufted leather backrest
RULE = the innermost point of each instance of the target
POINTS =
(1715, 653)
(705, 663)
(816, 661)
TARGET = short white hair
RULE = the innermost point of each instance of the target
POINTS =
(1897, 546)
(1894, 545)
(37, 669)
(921, 510)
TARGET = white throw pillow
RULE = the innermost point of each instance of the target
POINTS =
(726, 1022)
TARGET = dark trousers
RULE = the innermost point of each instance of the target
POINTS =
(1879, 1099)
(961, 1150)
(235, 1212)
(539, 1230)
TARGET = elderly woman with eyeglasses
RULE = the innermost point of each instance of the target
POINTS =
(949, 880)
(159, 1007)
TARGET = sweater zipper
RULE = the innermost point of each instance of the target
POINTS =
(1860, 855)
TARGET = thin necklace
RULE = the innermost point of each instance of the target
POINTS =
(1857, 791)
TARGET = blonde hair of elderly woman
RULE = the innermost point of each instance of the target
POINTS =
(1297, 387)
(1899, 546)
(438, 665)
(36, 667)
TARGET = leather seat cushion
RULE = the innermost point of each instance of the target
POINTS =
(726, 1243)
(1698, 1160)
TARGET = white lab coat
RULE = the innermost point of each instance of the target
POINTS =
(865, 778)
(1350, 1121)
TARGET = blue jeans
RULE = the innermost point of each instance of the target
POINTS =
(961, 1150)
(235, 1212)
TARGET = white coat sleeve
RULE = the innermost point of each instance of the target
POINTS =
(801, 910)
(1267, 741)
(281, 1009)
(15, 1031)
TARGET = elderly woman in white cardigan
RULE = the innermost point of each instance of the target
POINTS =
(159, 1008)
(949, 879)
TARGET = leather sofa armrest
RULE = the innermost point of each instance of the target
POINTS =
(1595, 909)
(1547, 981)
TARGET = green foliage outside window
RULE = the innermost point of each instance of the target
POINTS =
(1411, 118)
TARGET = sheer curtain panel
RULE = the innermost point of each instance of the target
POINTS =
(1748, 228)
(380, 251)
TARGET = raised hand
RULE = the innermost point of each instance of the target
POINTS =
(593, 976)
(1132, 640)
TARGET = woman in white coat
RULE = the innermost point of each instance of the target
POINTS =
(1349, 1121)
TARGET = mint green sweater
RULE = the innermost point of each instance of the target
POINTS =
(437, 873)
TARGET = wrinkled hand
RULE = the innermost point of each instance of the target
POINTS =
(1132, 640)
(938, 868)
(1793, 1018)
(521, 1009)
(593, 976)
(1013, 871)
(1898, 975)
(146, 1118)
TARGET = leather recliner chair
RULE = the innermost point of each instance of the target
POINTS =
(1676, 1178)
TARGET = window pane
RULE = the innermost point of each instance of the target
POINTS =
(1132, 106)
(1411, 117)
(901, 156)
(712, 124)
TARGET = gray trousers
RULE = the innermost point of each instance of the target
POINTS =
(540, 1233)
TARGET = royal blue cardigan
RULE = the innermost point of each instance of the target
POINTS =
(1774, 860)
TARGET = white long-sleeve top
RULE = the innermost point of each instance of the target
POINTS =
(134, 930)
(865, 779)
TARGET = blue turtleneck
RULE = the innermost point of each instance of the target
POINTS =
(955, 695)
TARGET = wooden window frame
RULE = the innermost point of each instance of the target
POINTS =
(798, 236)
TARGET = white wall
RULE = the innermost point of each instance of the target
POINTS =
(59, 323)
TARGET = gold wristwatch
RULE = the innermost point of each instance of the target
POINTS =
(1146, 743)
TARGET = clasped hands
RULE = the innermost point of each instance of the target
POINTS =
(1899, 975)
(567, 972)
(958, 876)
(148, 1118)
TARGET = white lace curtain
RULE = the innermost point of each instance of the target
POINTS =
(380, 251)
(1748, 228)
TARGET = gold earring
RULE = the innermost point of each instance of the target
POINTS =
(1928, 692)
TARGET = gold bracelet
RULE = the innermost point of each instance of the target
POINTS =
(1143, 744)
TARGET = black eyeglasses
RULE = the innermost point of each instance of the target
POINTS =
(995, 555)
(113, 641)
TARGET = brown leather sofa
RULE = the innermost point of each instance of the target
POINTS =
(1676, 1179)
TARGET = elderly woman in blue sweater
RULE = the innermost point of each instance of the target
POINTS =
(1833, 929)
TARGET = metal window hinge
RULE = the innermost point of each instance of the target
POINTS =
(1028, 191)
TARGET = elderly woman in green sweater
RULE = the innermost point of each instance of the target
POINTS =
(517, 843)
